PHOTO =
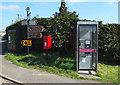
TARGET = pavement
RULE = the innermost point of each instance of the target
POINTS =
(23, 75)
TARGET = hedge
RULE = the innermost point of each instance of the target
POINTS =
(109, 43)
(63, 32)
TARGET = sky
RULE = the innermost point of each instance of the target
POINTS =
(100, 11)
(119, 12)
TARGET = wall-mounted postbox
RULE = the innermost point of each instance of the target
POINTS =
(47, 42)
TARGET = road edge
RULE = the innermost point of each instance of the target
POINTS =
(11, 79)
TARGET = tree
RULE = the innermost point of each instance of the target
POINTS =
(63, 31)
(62, 28)
(63, 8)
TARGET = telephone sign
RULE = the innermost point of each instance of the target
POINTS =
(26, 42)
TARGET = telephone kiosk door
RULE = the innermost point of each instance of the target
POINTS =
(87, 45)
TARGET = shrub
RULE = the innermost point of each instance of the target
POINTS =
(66, 65)
(109, 35)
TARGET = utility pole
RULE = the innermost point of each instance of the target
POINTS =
(18, 18)
(12, 21)
(27, 9)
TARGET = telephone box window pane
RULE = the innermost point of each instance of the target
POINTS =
(87, 46)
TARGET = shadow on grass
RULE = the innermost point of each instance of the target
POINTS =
(50, 59)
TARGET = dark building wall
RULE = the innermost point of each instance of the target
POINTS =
(15, 34)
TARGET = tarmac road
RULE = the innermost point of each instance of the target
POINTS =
(4, 81)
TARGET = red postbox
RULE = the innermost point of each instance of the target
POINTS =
(47, 42)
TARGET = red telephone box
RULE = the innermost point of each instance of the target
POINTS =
(47, 42)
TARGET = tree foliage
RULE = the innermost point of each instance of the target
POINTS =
(63, 30)
(63, 8)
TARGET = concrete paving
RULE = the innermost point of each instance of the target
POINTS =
(23, 75)
(88, 74)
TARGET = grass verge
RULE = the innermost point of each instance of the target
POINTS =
(108, 73)
(63, 66)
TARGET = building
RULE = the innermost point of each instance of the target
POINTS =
(2, 33)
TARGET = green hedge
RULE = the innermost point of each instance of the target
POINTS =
(63, 33)
(62, 29)
(109, 43)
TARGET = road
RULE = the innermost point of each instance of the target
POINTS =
(4, 81)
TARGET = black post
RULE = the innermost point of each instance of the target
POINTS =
(47, 54)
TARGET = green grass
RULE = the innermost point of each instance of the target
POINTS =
(63, 66)
(108, 73)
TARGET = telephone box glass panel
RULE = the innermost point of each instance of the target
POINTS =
(87, 46)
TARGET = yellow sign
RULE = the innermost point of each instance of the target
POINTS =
(26, 42)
